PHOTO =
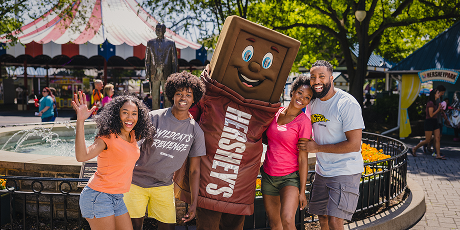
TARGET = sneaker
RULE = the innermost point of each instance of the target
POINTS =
(434, 154)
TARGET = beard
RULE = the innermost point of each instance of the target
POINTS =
(326, 88)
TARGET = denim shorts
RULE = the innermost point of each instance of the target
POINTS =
(101, 204)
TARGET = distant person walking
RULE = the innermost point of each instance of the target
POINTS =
(431, 124)
(53, 91)
(442, 114)
(148, 101)
(46, 111)
(109, 90)
(454, 115)
(96, 96)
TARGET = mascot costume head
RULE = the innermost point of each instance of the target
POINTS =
(253, 60)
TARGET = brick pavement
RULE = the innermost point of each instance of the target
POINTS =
(440, 179)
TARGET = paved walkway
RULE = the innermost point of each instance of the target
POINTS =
(440, 180)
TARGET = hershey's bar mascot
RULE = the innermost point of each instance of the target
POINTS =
(244, 82)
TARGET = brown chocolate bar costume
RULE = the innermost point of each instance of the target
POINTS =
(248, 73)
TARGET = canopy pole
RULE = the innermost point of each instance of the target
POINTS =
(47, 77)
(105, 72)
(25, 94)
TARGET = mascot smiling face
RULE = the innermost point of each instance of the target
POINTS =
(253, 60)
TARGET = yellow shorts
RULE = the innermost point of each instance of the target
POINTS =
(159, 201)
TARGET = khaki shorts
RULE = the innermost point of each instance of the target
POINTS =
(159, 201)
(271, 185)
(335, 196)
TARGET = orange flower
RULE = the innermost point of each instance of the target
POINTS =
(258, 183)
(371, 154)
(2, 183)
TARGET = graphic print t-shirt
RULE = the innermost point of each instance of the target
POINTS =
(330, 120)
(173, 142)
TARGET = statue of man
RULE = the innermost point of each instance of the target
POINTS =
(160, 62)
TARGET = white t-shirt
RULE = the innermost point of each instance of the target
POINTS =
(330, 120)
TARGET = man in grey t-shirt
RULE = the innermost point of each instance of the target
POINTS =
(337, 124)
(177, 137)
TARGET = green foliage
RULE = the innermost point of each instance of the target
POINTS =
(14, 12)
(197, 16)
(78, 73)
(385, 109)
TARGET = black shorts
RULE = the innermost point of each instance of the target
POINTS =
(431, 124)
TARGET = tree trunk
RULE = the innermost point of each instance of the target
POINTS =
(357, 81)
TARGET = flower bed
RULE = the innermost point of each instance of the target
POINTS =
(2, 183)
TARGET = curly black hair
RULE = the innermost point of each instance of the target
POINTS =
(183, 80)
(299, 81)
(328, 65)
(108, 120)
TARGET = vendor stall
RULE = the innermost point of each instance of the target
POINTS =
(437, 61)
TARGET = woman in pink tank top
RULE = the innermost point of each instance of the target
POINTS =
(285, 168)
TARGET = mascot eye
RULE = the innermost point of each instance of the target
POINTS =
(247, 53)
(267, 60)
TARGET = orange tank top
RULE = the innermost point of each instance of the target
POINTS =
(115, 165)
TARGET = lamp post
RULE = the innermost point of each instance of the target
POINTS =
(361, 68)
(360, 13)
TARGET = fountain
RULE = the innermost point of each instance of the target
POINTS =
(44, 150)
(20, 154)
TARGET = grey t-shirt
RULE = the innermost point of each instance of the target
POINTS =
(330, 120)
(174, 140)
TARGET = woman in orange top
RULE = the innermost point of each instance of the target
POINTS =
(120, 125)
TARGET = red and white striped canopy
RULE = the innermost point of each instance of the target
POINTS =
(95, 21)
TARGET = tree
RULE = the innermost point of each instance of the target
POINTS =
(326, 27)
(201, 16)
(13, 13)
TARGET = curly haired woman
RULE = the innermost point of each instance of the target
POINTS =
(123, 122)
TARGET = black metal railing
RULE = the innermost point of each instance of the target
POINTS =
(41, 198)
(386, 180)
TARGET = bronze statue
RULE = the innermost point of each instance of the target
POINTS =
(160, 62)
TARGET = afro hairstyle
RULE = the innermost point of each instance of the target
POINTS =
(185, 80)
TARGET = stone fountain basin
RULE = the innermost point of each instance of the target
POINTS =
(27, 164)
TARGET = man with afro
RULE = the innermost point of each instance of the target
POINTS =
(177, 137)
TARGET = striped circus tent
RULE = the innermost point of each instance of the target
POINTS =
(100, 31)
(95, 21)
